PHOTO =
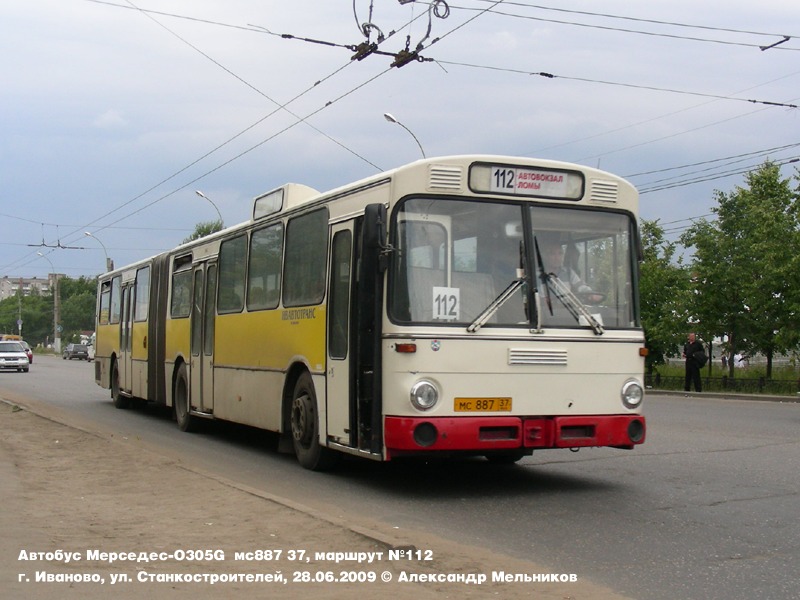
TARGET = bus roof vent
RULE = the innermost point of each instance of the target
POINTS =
(297, 193)
(603, 191)
(285, 197)
(445, 177)
(533, 356)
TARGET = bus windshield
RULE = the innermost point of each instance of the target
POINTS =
(483, 264)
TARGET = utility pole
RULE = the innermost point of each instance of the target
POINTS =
(56, 308)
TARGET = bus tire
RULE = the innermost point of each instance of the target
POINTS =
(119, 400)
(305, 427)
(180, 402)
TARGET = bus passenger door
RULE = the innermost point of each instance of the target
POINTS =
(126, 323)
(340, 394)
(202, 324)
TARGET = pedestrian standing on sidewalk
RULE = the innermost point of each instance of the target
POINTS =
(693, 362)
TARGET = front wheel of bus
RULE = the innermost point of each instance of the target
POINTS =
(119, 400)
(305, 427)
(180, 402)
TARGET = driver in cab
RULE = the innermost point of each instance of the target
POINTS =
(552, 255)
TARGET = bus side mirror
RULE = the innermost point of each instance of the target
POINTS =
(375, 226)
(374, 233)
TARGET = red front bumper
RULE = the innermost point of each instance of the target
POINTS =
(404, 434)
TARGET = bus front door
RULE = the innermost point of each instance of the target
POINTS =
(340, 393)
(202, 362)
(354, 406)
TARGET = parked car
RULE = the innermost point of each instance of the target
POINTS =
(27, 347)
(12, 356)
(79, 351)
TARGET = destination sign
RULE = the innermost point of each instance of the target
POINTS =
(526, 181)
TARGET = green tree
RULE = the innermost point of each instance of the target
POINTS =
(77, 306)
(745, 266)
(664, 293)
(203, 229)
(775, 293)
(77, 298)
(77, 314)
(68, 287)
(36, 313)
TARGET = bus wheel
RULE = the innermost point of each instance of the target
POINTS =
(119, 400)
(305, 428)
(180, 402)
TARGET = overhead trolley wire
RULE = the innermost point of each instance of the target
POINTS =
(777, 44)
(712, 177)
(300, 119)
(547, 75)
(251, 148)
(280, 107)
(251, 86)
(706, 162)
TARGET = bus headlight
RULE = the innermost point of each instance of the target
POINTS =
(632, 393)
(424, 395)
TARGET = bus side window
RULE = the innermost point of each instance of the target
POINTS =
(264, 274)
(232, 257)
(306, 254)
(105, 303)
(181, 304)
(142, 294)
(115, 302)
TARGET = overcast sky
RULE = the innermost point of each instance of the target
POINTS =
(114, 113)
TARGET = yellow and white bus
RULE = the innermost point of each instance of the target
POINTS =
(478, 305)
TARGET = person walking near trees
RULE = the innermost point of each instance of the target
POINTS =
(695, 355)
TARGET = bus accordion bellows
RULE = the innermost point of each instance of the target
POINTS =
(463, 305)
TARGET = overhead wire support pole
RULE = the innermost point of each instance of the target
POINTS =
(56, 306)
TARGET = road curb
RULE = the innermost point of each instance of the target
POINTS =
(726, 396)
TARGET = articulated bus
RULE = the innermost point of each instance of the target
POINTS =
(464, 305)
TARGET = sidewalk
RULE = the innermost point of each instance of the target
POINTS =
(66, 490)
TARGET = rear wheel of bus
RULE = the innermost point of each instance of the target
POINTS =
(180, 401)
(305, 427)
(117, 397)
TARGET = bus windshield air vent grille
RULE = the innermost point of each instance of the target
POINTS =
(443, 177)
(603, 191)
(533, 356)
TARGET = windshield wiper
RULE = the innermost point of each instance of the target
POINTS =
(575, 307)
(489, 311)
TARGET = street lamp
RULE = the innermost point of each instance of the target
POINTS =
(391, 119)
(202, 195)
(56, 307)
(109, 262)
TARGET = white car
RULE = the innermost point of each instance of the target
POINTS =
(13, 356)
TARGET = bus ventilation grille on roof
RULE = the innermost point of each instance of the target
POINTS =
(445, 178)
(603, 191)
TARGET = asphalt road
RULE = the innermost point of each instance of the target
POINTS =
(706, 508)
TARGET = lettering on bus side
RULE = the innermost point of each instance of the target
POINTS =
(298, 314)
